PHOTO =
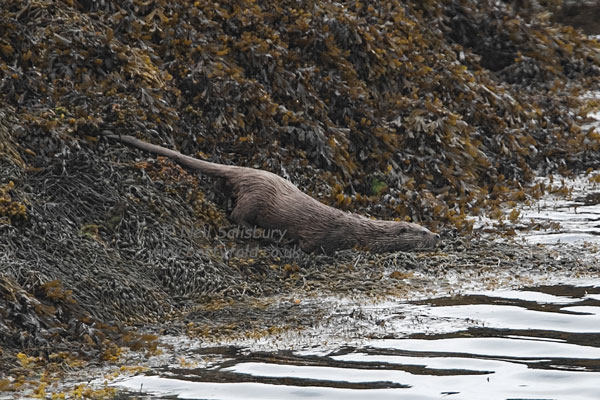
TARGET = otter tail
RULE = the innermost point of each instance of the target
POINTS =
(205, 167)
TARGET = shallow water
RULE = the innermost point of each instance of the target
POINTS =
(540, 342)
(537, 343)
(534, 343)
(578, 217)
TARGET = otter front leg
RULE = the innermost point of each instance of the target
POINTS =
(308, 246)
(305, 246)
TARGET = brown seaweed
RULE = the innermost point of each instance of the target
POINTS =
(387, 108)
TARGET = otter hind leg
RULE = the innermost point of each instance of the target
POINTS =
(243, 216)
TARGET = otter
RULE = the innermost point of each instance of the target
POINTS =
(270, 202)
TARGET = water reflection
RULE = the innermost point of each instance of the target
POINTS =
(537, 343)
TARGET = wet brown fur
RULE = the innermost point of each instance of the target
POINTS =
(268, 201)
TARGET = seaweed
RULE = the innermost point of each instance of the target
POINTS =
(428, 111)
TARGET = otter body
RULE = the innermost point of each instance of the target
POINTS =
(268, 201)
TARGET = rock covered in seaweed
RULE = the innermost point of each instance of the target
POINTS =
(388, 108)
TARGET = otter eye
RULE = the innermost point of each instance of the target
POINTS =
(403, 230)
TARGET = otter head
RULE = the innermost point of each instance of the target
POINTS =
(400, 236)
(415, 236)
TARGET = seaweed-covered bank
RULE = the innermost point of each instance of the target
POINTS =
(313, 307)
(388, 109)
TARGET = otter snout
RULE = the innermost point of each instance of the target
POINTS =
(431, 239)
(435, 239)
(410, 235)
(428, 238)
